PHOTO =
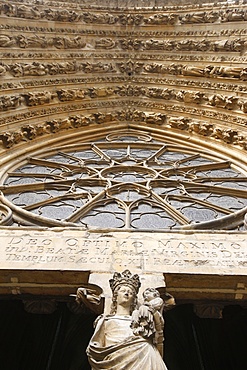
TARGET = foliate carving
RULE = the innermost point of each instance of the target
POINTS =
(131, 44)
(209, 84)
(164, 34)
(215, 114)
(130, 67)
(182, 100)
(130, 90)
(130, 19)
(58, 109)
(104, 18)
(3, 69)
(66, 42)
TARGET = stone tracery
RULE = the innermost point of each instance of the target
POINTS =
(154, 69)
(93, 185)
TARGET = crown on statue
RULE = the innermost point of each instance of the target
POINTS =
(125, 278)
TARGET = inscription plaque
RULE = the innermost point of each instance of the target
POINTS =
(198, 252)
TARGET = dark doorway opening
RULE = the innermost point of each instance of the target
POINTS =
(194, 343)
(43, 341)
(58, 340)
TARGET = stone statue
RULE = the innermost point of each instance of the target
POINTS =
(115, 345)
(148, 321)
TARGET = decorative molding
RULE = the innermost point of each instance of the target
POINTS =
(158, 56)
(37, 12)
(77, 42)
(6, 218)
(36, 68)
(146, 79)
(192, 126)
(32, 99)
(216, 33)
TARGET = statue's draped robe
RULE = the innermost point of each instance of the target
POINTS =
(114, 347)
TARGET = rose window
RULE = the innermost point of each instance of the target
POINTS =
(125, 182)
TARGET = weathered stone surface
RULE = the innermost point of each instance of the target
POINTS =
(204, 253)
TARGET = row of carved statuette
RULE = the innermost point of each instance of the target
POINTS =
(30, 132)
(230, 102)
(77, 42)
(64, 15)
(103, 5)
(129, 67)
(224, 45)
(215, 114)
(146, 104)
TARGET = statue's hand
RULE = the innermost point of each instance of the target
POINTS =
(145, 312)
(90, 299)
(83, 294)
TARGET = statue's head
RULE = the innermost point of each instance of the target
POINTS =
(150, 293)
(124, 281)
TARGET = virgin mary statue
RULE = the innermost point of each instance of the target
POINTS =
(114, 346)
